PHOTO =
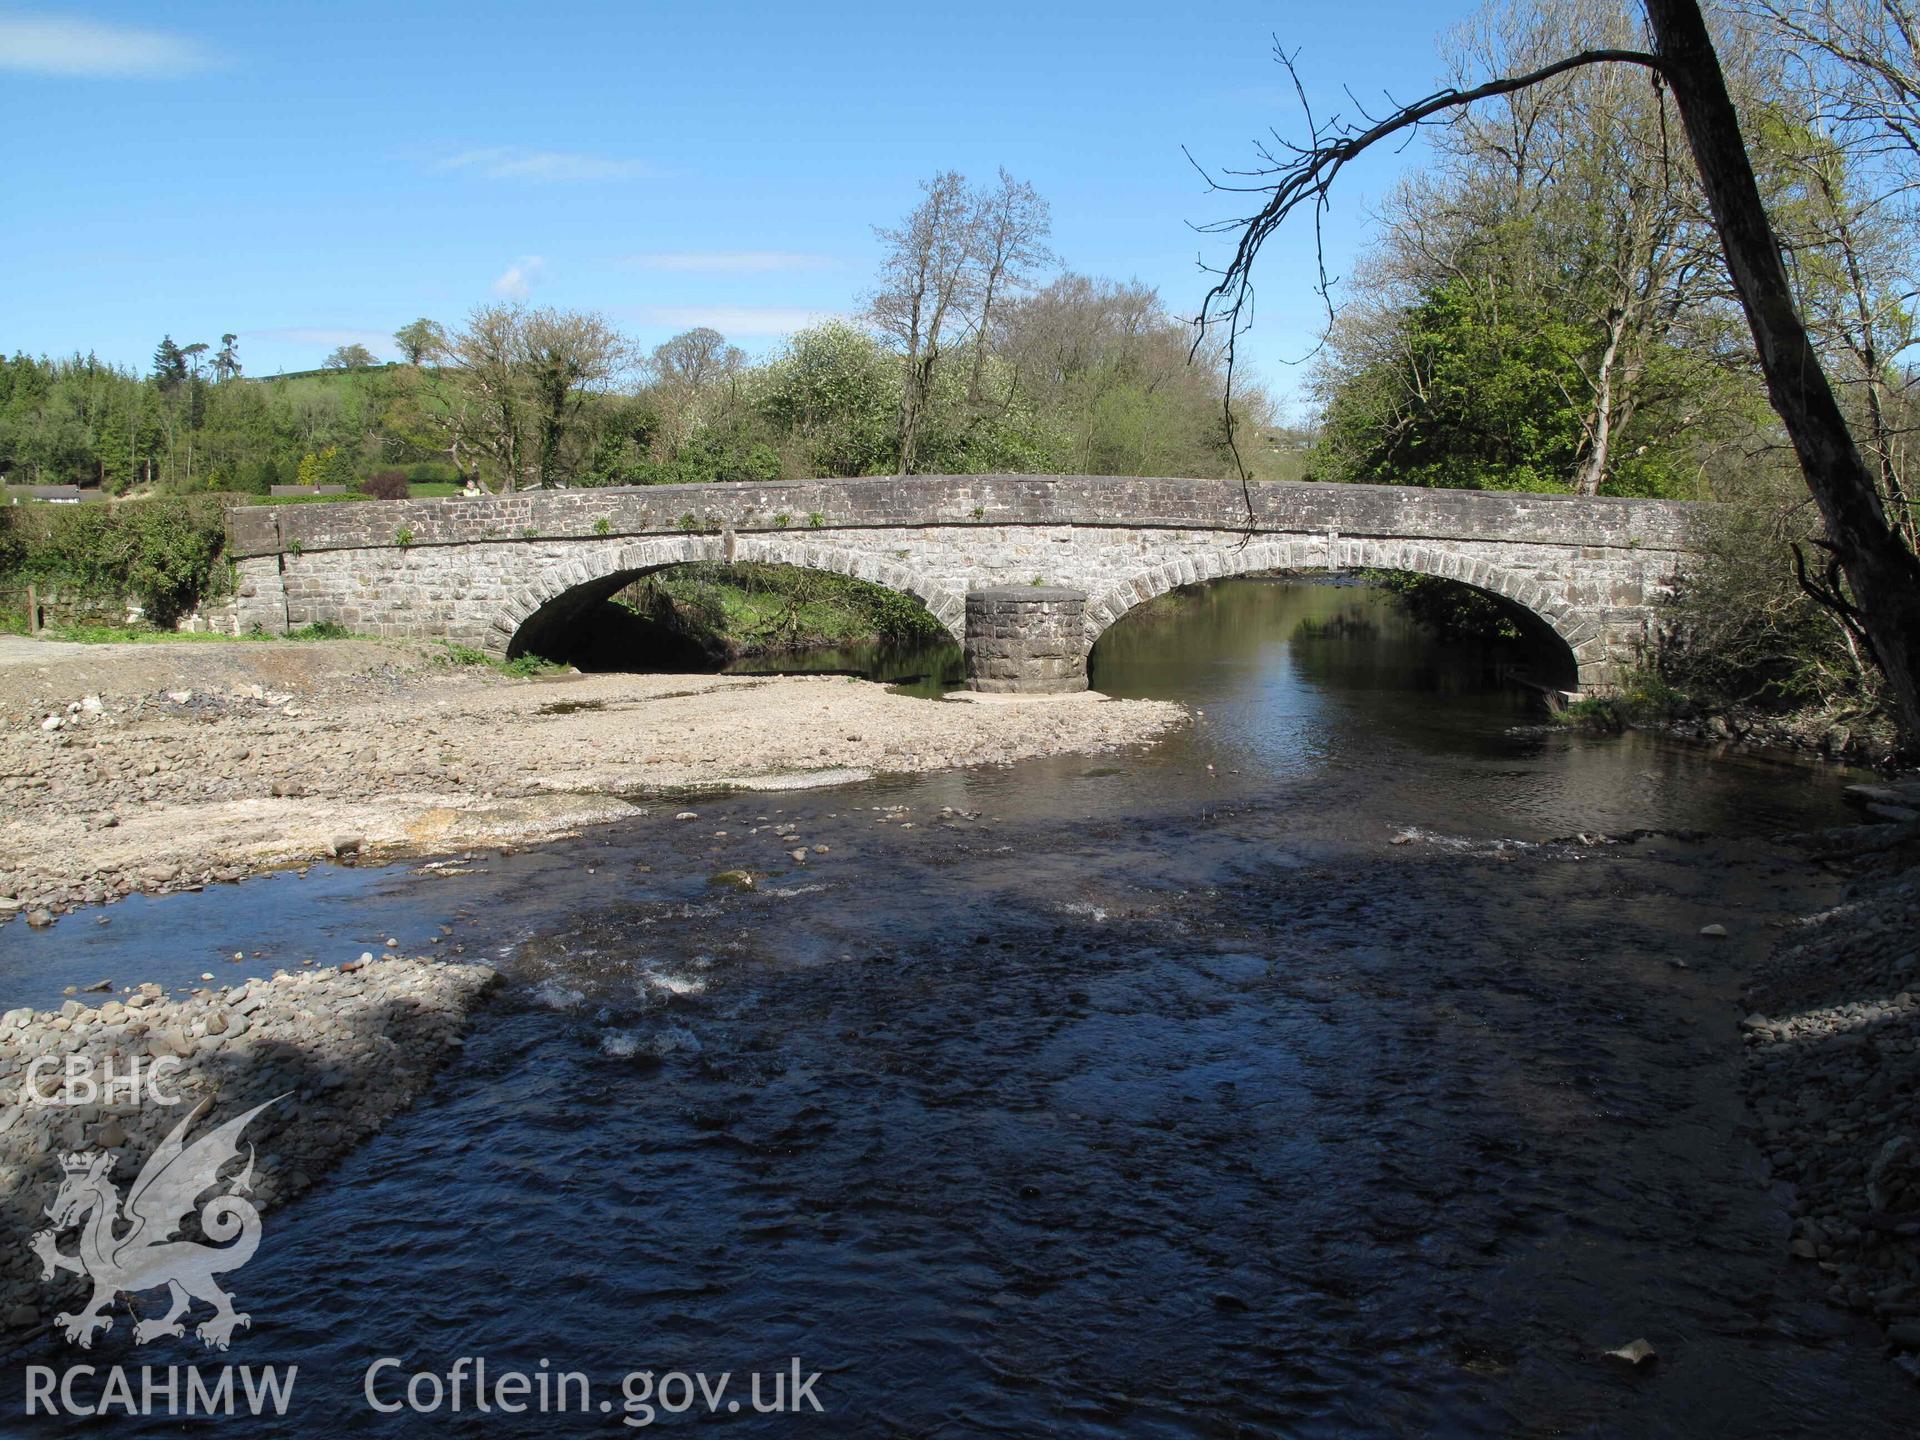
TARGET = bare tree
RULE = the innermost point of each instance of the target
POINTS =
(1011, 225)
(929, 283)
(1861, 60)
(1857, 65)
(1868, 552)
(1851, 275)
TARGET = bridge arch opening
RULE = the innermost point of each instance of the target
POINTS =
(1338, 629)
(1562, 650)
(702, 615)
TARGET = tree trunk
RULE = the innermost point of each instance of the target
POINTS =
(1882, 572)
(1593, 470)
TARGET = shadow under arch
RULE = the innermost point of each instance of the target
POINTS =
(562, 596)
(1580, 638)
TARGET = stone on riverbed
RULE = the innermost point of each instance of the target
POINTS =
(1635, 1353)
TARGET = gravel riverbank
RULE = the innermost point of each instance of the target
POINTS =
(1833, 1080)
(163, 767)
(344, 1049)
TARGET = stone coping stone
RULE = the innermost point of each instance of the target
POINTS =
(1055, 594)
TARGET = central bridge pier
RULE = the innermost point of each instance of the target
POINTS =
(1027, 571)
(1026, 641)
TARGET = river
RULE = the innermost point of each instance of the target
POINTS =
(1348, 1064)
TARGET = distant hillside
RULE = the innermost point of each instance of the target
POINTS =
(325, 373)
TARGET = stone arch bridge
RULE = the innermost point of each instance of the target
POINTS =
(1025, 570)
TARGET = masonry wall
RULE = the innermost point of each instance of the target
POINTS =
(474, 570)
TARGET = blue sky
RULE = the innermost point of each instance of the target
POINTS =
(307, 175)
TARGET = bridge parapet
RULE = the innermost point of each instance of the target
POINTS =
(490, 571)
(992, 501)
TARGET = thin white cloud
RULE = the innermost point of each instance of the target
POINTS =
(63, 45)
(729, 262)
(516, 282)
(516, 162)
(737, 320)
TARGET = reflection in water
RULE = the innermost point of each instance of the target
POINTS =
(1305, 1074)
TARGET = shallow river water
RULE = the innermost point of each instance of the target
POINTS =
(1324, 1070)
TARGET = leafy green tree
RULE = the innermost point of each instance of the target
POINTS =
(1475, 395)
(349, 357)
(834, 394)
(421, 341)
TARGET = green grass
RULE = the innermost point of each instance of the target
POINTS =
(146, 635)
(751, 608)
(525, 667)
(759, 615)
(1643, 698)
(521, 667)
(126, 635)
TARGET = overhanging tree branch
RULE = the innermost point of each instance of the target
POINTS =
(1880, 569)
(1307, 178)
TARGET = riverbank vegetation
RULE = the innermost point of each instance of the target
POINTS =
(1548, 307)
(163, 552)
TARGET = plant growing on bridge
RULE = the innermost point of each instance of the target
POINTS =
(782, 520)
(403, 537)
(815, 520)
(603, 526)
